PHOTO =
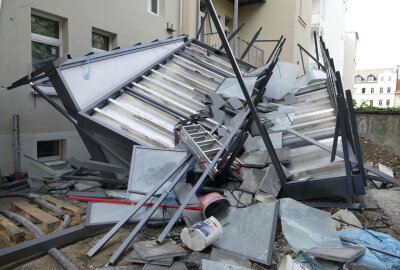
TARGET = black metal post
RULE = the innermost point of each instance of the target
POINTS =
(237, 30)
(251, 43)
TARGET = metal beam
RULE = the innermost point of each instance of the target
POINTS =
(251, 43)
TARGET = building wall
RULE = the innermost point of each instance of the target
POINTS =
(130, 22)
(376, 96)
(349, 63)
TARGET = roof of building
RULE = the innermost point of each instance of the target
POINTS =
(366, 72)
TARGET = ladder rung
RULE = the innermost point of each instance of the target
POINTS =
(212, 150)
(206, 141)
(198, 133)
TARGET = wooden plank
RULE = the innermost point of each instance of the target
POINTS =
(48, 220)
(64, 205)
(11, 231)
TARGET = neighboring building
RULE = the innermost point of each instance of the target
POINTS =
(329, 21)
(375, 87)
(349, 63)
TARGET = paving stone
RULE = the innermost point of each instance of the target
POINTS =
(194, 259)
(327, 265)
(345, 254)
(128, 267)
(223, 256)
(235, 103)
(255, 159)
(354, 266)
(60, 185)
(235, 120)
(86, 185)
(246, 199)
(136, 258)
(271, 183)
(174, 266)
(250, 145)
(252, 179)
(267, 107)
(228, 195)
(348, 217)
(150, 250)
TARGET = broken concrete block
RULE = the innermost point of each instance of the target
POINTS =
(348, 217)
(136, 258)
(150, 250)
(264, 197)
(222, 256)
(87, 185)
(254, 129)
(235, 103)
(344, 254)
(354, 266)
(194, 259)
(252, 179)
(290, 99)
(327, 265)
(236, 120)
(250, 145)
(128, 267)
(174, 266)
(255, 159)
(271, 183)
(267, 107)
(246, 199)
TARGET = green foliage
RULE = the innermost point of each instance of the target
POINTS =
(45, 27)
(377, 109)
(42, 53)
(100, 41)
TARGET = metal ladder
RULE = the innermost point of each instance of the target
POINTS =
(204, 147)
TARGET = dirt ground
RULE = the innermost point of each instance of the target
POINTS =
(386, 219)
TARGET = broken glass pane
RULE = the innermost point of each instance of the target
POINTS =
(149, 166)
(230, 87)
(276, 139)
(251, 231)
(305, 227)
(281, 118)
(282, 80)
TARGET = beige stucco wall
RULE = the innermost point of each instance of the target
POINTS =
(349, 61)
(128, 19)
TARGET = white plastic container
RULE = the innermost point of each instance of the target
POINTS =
(202, 234)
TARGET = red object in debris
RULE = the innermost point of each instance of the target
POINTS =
(90, 199)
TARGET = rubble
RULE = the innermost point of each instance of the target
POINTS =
(192, 123)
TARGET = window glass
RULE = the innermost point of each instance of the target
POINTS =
(100, 41)
(363, 90)
(390, 78)
(388, 102)
(152, 6)
(380, 102)
(372, 90)
(389, 89)
(44, 26)
(48, 149)
(382, 79)
(370, 78)
(43, 53)
(381, 90)
(371, 103)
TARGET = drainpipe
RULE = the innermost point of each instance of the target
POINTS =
(17, 147)
(180, 17)
(235, 25)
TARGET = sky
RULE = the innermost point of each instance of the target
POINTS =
(378, 25)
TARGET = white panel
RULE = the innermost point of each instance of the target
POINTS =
(92, 81)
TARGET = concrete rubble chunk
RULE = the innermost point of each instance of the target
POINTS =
(87, 185)
(267, 107)
(174, 266)
(213, 265)
(344, 254)
(252, 179)
(194, 259)
(264, 197)
(271, 183)
(250, 145)
(355, 266)
(150, 250)
(327, 265)
(136, 258)
(222, 256)
(255, 159)
(128, 267)
(348, 217)
(235, 103)
(245, 199)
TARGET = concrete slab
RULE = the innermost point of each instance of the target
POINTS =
(223, 256)
(263, 197)
(87, 185)
(212, 265)
(235, 103)
(250, 145)
(150, 250)
(345, 254)
(136, 258)
(174, 266)
(271, 183)
(348, 217)
(128, 267)
(194, 259)
(256, 159)
(246, 199)
(252, 179)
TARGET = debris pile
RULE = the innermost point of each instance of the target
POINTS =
(213, 151)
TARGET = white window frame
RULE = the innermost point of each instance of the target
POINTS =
(382, 78)
(389, 78)
(370, 79)
(388, 103)
(358, 79)
(380, 90)
(45, 39)
(380, 103)
(389, 90)
(104, 33)
(149, 7)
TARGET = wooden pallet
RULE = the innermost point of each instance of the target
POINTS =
(12, 232)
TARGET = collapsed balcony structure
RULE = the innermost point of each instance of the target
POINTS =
(145, 94)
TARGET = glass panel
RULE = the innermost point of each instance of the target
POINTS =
(43, 53)
(250, 231)
(100, 41)
(154, 6)
(45, 27)
(230, 87)
(149, 166)
(48, 148)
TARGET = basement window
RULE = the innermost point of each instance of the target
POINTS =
(49, 150)
(100, 42)
(152, 6)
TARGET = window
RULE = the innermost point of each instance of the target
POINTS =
(389, 89)
(100, 42)
(382, 78)
(152, 6)
(388, 102)
(380, 102)
(372, 90)
(358, 79)
(389, 78)
(46, 36)
(371, 78)
(371, 103)
(381, 90)
(49, 150)
(363, 90)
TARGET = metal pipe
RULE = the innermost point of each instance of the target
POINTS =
(17, 147)
(235, 25)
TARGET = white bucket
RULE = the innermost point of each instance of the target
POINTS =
(202, 234)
